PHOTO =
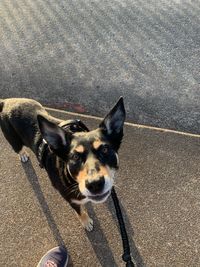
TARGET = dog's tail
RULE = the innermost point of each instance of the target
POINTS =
(1, 104)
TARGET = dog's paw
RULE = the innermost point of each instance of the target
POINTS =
(86, 221)
(89, 225)
(23, 155)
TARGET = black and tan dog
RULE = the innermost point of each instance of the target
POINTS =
(81, 164)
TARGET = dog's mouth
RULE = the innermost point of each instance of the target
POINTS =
(99, 198)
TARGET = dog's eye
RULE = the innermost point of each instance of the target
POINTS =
(105, 149)
(76, 157)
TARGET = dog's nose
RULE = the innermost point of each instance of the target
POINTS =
(97, 186)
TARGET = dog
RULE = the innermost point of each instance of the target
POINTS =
(81, 164)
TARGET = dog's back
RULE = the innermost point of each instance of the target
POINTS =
(18, 119)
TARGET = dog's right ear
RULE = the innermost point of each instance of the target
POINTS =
(114, 120)
(112, 125)
(54, 135)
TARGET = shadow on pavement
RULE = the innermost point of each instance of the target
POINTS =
(33, 180)
(130, 232)
(99, 242)
(103, 252)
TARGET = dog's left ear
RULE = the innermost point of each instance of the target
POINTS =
(113, 123)
(55, 136)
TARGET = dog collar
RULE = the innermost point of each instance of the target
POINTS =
(74, 126)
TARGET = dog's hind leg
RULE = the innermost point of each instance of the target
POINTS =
(14, 140)
(23, 155)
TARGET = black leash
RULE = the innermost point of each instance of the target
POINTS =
(79, 126)
(126, 256)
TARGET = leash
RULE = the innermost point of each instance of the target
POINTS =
(79, 126)
(126, 257)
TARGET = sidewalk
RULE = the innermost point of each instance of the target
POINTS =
(159, 189)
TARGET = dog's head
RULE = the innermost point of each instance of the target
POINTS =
(91, 157)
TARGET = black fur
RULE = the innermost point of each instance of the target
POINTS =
(24, 122)
(1, 105)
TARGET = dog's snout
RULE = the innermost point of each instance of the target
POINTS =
(97, 186)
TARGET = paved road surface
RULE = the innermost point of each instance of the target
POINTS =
(159, 189)
(82, 55)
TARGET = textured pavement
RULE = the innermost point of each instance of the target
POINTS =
(159, 189)
(82, 55)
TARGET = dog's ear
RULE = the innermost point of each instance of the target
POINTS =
(54, 135)
(113, 123)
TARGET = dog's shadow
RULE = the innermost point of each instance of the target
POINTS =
(104, 254)
(99, 242)
(97, 239)
(34, 182)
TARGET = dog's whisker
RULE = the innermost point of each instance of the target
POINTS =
(74, 186)
(79, 194)
(116, 186)
(70, 191)
(74, 190)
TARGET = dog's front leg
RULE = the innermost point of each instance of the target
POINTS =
(83, 216)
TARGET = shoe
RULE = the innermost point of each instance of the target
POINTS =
(56, 257)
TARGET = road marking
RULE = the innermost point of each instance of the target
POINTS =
(126, 123)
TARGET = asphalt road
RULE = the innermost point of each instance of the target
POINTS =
(159, 189)
(82, 55)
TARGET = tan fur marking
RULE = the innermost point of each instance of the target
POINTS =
(103, 171)
(82, 174)
(96, 144)
(80, 149)
(84, 217)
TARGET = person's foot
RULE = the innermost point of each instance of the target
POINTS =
(56, 257)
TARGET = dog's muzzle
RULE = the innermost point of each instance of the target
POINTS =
(99, 198)
(98, 190)
(96, 186)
